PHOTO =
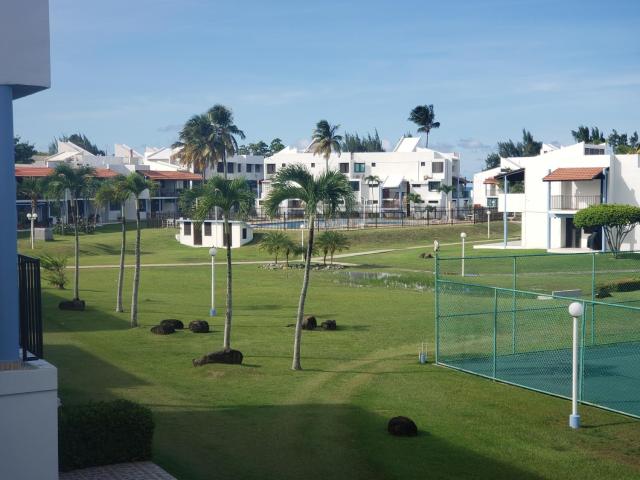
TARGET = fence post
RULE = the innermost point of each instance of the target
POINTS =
(495, 331)
(514, 285)
(593, 297)
(437, 304)
(584, 321)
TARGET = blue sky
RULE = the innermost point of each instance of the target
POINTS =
(133, 71)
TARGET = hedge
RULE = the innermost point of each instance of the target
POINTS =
(103, 433)
(622, 285)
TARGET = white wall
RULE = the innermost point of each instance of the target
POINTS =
(216, 238)
(624, 188)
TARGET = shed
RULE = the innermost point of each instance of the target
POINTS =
(208, 233)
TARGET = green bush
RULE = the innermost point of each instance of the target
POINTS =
(103, 433)
(623, 285)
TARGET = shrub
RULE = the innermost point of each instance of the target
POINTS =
(623, 285)
(103, 433)
(56, 270)
(618, 221)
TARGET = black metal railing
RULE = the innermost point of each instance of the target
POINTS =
(573, 202)
(30, 307)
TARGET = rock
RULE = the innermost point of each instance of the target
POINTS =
(232, 357)
(402, 427)
(77, 305)
(199, 326)
(309, 323)
(329, 325)
(163, 330)
(172, 322)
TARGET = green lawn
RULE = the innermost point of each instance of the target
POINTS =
(263, 421)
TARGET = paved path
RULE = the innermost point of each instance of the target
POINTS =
(120, 471)
(264, 262)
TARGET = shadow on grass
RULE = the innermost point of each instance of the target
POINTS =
(77, 379)
(312, 441)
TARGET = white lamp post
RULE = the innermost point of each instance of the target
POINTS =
(463, 236)
(576, 309)
(213, 251)
(32, 217)
(302, 239)
(488, 223)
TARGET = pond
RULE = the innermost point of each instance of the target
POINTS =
(411, 280)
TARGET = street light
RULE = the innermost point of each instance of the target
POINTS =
(488, 223)
(463, 236)
(302, 239)
(213, 251)
(32, 217)
(576, 309)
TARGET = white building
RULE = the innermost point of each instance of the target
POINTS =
(209, 233)
(407, 169)
(559, 183)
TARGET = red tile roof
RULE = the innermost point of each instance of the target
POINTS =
(490, 181)
(169, 175)
(29, 171)
(105, 173)
(573, 174)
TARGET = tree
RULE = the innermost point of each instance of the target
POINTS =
(56, 269)
(228, 196)
(260, 149)
(447, 189)
(275, 146)
(79, 183)
(78, 139)
(34, 189)
(424, 116)
(208, 138)
(372, 181)
(623, 143)
(332, 241)
(617, 221)
(133, 186)
(368, 143)
(330, 189)
(528, 147)
(583, 134)
(492, 161)
(274, 243)
(326, 140)
(243, 150)
(115, 191)
(23, 151)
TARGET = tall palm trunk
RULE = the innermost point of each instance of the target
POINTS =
(226, 230)
(34, 204)
(123, 243)
(76, 280)
(136, 272)
(303, 297)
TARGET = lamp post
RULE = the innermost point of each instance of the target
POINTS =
(213, 251)
(576, 309)
(32, 217)
(488, 223)
(463, 236)
(302, 239)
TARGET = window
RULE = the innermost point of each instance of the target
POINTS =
(239, 168)
(313, 165)
(187, 229)
(344, 168)
(244, 233)
(284, 165)
(249, 167)
(358, 167)
(115, 206)
(594, 151)
(416, 185)
(492, 202)
(373, 164)
(142, 205)
(230, 167)
(437, 167)
(433, 186)
(207, 229)
(433, 202)
(258, 168)
(422, 164)
(220, 168)
(271, 168)
(355, 186)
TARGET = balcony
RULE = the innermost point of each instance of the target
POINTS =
(167, 192)
(573, 202)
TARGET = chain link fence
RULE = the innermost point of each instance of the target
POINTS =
(524, 337)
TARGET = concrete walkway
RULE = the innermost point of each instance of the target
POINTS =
(120, 471)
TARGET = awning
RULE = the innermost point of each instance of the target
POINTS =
(393, 181)
(511, 175)
(574, 174)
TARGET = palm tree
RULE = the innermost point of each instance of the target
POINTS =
(208, 138)
(330, 189)
(372, 180)
(133, 186)
(447, 189)
(34, 189)
(114, 191)
(79, 183)
(274, 243)
(414, 198)
(424, 117)
(228, 196)
(331, 242)
(326, 140)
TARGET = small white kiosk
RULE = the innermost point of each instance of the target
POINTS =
(208, 233)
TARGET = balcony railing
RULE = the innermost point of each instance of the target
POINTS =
(30, 307)
(573, 202)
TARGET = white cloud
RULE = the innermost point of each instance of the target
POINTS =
(473, 144)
